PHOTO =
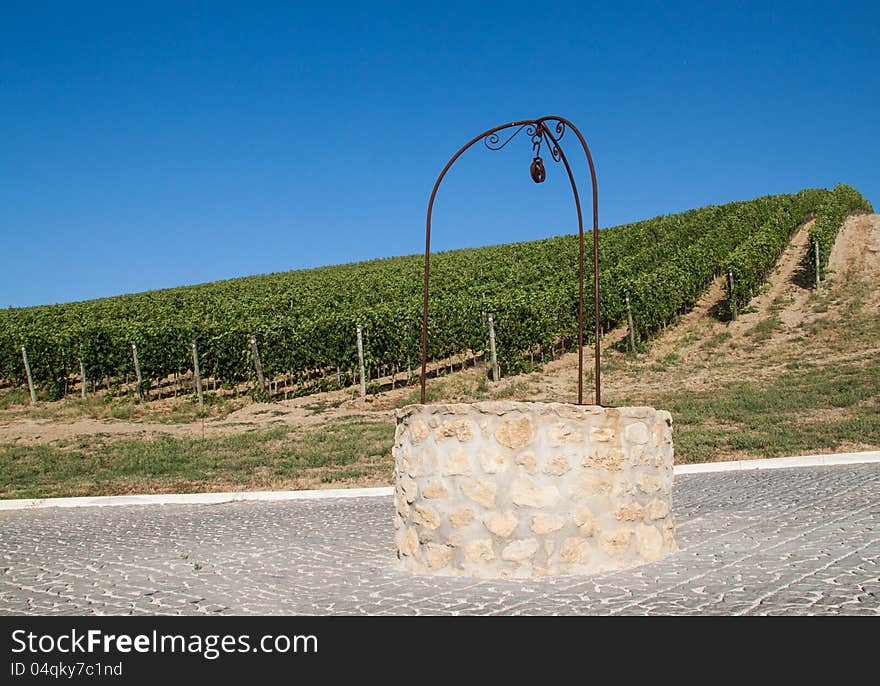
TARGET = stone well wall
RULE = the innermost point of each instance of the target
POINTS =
(495, 489)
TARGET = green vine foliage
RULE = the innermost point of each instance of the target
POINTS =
(305, 321)
(751, 261)
(833, 209)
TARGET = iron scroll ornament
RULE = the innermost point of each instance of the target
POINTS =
(544, 131)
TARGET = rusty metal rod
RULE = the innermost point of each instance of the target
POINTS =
(540, 129)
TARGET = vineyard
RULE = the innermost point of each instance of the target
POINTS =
(304, 323)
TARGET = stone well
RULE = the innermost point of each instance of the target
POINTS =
(514, 489)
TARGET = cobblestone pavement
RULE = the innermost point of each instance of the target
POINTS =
(790, 541)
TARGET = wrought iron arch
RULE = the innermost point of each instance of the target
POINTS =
(539, 130)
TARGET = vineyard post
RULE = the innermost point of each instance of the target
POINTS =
(733, 311)
(137, 370)
(360, 344)
(258, 367)
(816, 257)
(496, 374)
(30, 379)
(629, 320)
(197, 373)
(82, 373)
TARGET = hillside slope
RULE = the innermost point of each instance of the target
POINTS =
(797, 373)
(304, 323)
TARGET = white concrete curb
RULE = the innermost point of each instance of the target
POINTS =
(780, 463)
(872, 456)
(193, 498)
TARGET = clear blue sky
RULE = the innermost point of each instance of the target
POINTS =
(159, 145)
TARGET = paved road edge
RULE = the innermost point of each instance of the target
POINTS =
(872, 456)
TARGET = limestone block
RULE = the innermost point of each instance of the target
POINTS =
(649, 542)
(547, 523)
(461, 517)
(616, 542)
(520, 550)
(561, 433)
(418, 431)
(457, 462)
(426, 516)
(437, 556)
(658, 508)
(481, 492)
(493, 462)
(515, 433)
(435, 490)
(527, 461)
(425, 465)
(462, 429)
(629, 512)
(575, 550)
(410, 545)
(410, 489)
(527, 492)
(557, 466)
(585, 521)
(636, 433)
(637, 412)
(650, 483)
(602, 434)
(480, 550)
(612, 459)
(501, 523)
(669, 535)
(589, 485)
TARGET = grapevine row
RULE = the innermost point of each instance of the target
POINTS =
(305, 321)
(830, 214)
